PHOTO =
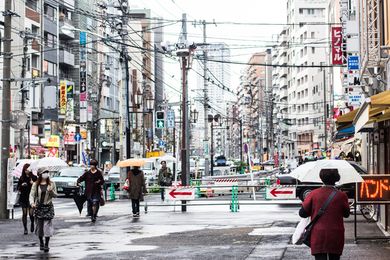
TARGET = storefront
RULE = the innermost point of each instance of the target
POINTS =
(373, 121)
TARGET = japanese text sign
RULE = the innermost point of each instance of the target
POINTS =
(337, 40)
(375, 188)
(63, 97)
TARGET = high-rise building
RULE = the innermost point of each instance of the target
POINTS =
(307, 112)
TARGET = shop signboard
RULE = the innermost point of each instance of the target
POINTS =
(337, 40)
(374, 189)
(63, 97)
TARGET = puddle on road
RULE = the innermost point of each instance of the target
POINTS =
(269, 231)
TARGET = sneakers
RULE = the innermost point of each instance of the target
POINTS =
(46, 249)
(136, 215)
(41, 247)
(25, 231)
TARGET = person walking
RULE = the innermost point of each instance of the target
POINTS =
(94, 180)
(137, 188)
(327, 235)
(164, 178)
(41, 195)
(25, 183)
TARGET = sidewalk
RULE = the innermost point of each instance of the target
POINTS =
(364, 249)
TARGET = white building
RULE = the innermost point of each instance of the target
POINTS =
(306, 35)
(219, 83)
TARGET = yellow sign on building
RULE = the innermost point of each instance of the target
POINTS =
(54, 141)
(62, 97)
(154, 154)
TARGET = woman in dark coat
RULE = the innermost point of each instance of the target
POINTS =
(25, 183)
(137, 188)
(94, 180)
(327, 236)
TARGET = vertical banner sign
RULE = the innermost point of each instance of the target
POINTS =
(62, 97)
(83, 77)
(337, 40)
(171, 119)
(69, 101)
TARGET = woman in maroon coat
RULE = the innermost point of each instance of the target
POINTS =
(327, 236)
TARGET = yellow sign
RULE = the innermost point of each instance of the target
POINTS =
(83, 134)
(54, 141)
(62, 97)
(154, 154)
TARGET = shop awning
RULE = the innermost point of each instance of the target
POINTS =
(374, 109)
(345, 132)
(346, 120)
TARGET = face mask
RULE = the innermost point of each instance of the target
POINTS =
(45, 175)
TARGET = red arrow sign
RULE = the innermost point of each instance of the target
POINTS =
(275, 192)
(173, 194)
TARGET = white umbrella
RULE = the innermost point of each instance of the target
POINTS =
(17, 171)
(310, 171)
(52, 163)
(167, 158)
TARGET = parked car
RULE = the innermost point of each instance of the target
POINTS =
(66, 180)
(303, 191)
(114, 176)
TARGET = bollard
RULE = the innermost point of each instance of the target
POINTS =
(112, 192)
(234, 202)
(197, 190)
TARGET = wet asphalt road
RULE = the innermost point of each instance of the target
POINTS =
(203, 232)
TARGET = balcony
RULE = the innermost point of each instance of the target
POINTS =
(66, 58)
(283, 93)
(68, 26)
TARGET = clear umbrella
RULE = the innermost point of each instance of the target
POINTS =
(51, 163)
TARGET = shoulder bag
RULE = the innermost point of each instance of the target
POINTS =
(306, 234)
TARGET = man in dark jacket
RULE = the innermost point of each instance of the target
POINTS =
(94, 180)
(164, 178)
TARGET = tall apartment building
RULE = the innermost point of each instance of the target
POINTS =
(218, 77)
(253, 103)
(305, 84)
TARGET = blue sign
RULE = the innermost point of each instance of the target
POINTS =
(161, 143)
(83, 38)
(353, 63)
(77, 137)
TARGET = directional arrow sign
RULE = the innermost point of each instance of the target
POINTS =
(181, 193)
(280, 193)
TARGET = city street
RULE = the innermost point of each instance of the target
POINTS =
(204, 232)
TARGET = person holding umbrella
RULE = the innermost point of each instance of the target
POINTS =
(41, 195)
(94, 180)
(137, 188)
(25, 183)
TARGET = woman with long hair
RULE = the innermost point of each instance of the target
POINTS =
(41, 195)
(25, 183)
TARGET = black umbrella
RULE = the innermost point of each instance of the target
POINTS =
(80, 198)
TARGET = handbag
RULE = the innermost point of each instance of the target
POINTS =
(305, 234)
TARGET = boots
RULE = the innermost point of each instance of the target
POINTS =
(41, 245)
(25, 229)
(46, 248)
(32, 225)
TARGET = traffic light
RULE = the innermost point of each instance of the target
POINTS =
(160, 119)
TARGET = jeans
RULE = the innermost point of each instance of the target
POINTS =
(162, 191)
(135, 205)
(327, 257)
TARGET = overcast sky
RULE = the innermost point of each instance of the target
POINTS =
(243, 39)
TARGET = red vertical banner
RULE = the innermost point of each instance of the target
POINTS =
(337, 40)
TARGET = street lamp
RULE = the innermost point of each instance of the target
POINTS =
(138, 100)
(194, 115)
(186, 57)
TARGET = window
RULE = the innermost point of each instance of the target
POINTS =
(34, 61)
(32, 4)
(310, 11)
(313, 50)
(312, 35)
(50, 40)
(50, 12)
(300, 10)
(49, 68)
